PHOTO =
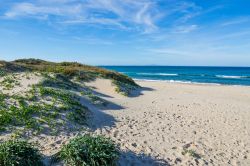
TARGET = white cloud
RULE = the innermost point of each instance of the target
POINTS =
(236, 21)
(185, 29)
(136, 15)
(42, 11)
(121, 13)
(86, 40)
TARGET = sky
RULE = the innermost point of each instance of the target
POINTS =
(127, 32)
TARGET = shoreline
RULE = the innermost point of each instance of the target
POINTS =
(188, 82)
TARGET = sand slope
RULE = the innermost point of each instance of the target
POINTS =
(177, 124)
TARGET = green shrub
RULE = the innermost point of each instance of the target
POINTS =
(2, 73)
(19, 153)
(89, 151)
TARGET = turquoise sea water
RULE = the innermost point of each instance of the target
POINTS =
(215, 75)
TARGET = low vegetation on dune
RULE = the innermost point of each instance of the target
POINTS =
(49, 106)
(19, 153)
(79, 71)
(89, 150)
(9, 82)
(84, 150)
(41, 97)
(55, 102)
(71, 69)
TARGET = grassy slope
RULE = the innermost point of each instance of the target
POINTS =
(56, 97)
(74, 69)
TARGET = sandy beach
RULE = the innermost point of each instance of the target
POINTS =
(177, 124)
(162, 123)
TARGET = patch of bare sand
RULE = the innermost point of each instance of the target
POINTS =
(23, 82)
(181, 124)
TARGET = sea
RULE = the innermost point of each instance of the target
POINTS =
(184, 74)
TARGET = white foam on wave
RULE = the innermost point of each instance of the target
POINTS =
(148, 80)
(234, 77)
(177, 81)
(168, 74)
(190, 82)
(160, 74)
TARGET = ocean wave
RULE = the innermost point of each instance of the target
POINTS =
(232, 77)
(177, 81)
(124, 72)
(193, 82)
(182, 82)
(158, 74)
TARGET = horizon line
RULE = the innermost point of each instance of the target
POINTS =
(169, 66)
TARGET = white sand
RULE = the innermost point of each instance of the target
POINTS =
(24, 80)
(166, 123)
(169, 119)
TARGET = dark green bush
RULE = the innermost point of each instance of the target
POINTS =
(19, 153)
(89, 151)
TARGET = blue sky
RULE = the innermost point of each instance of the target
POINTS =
(127, 32)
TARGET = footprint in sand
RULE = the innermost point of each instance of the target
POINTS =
(116, 133)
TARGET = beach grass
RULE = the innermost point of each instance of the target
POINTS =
(51, 105)
(89, 150)
(54, 101)
(19, 153)
(79, 71)
(47, 105)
